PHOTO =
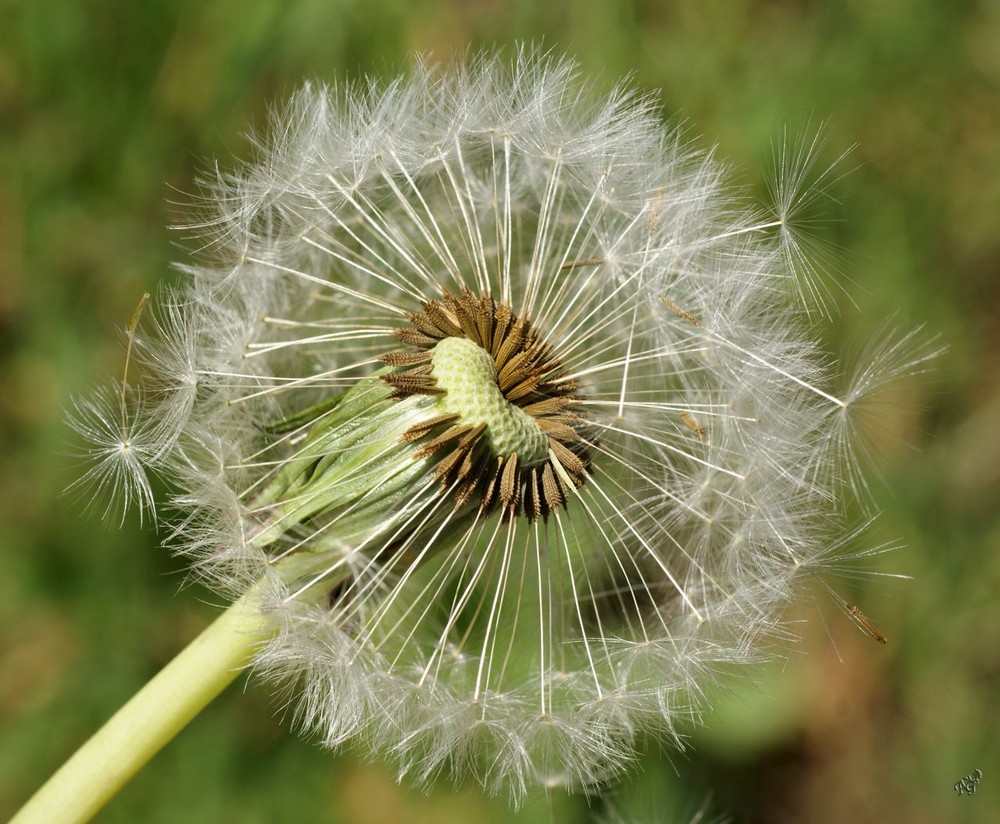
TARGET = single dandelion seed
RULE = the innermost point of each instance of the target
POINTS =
(119, 446)
(677, 310)
(693, 425)
(866, 624)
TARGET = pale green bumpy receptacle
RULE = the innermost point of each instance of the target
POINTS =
(468, 376)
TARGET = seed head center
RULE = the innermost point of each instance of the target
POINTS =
(508, 426)
(467, 375)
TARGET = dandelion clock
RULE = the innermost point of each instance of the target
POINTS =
(497, 418)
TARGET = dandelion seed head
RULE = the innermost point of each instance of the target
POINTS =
(515, 410)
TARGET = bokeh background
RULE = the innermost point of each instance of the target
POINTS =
(107, 110)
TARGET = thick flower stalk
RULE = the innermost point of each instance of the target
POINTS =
(506, 409)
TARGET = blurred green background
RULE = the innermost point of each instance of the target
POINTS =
(107, 108)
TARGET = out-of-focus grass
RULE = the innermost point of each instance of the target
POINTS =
(107, 110)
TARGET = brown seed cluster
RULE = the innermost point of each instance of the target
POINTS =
(529, 376)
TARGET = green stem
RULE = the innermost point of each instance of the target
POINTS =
(116, 752)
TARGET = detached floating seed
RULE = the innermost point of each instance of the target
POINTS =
(866, 624)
